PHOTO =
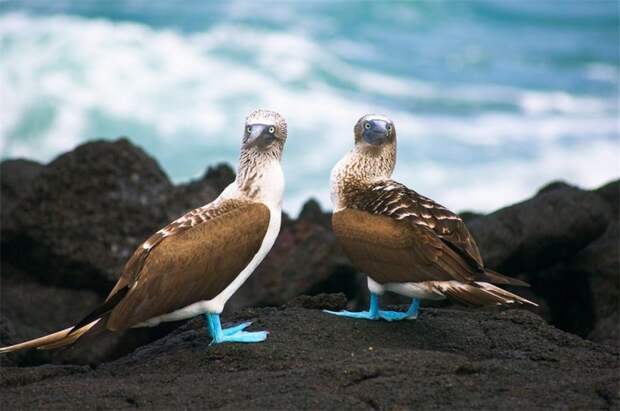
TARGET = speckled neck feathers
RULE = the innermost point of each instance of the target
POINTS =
(255, 162)
(360, 168)
(252, 167)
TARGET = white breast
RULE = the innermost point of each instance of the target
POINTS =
(335, 181)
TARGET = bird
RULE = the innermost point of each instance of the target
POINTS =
(196, 263)
(404, 242)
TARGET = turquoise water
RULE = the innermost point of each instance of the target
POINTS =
(491, 99)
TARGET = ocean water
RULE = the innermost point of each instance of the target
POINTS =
(491, 99)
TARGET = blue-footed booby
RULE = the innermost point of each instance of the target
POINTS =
(197, 262)
(404, 242)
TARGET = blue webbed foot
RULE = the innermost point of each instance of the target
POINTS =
(236, 328)
(232, 334)
(366, 315)
(369, 315)
(392, 315)
(374, 313)
(242, 337)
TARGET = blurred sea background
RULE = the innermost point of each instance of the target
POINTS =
(491, 99)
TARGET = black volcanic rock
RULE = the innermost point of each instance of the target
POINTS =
(86, 212)
(541, 231)
(311, 211)
(610, 192)
(15, 179)
(185, 197)
(600, 263)
(68, 228)
(30, 309)
(219, 176)
(304, 260)
(447, 359)
(564, 241)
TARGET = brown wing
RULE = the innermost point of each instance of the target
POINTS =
(192, 218)
(395, 200)
(390, 250)
(441, 246)
(190, 264)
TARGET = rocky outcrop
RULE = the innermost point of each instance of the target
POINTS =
(539, 232)
(447, 359)
(72, 224)
(14, 184)
(81, 216)
(29, 309)
(85, 213)
(564, 241)
(67, 230)
(68, 227)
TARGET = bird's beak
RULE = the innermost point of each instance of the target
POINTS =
(377, 133)
(258, 135)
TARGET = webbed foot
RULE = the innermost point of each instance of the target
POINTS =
(232, 334)
(374, 313)
(369, 315)
(241, 337)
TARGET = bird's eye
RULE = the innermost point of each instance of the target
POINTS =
(367, 126)
(272, 130)
(249, 129)
(389, 127)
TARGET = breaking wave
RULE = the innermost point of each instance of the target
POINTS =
(183, 96)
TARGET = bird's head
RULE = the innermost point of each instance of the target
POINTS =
(264, 132)
(374, 154)
(264, 135)
(374, 131)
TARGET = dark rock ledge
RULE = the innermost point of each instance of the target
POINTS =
(67, 227)
(447, 359)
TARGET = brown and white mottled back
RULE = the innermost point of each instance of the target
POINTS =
(405, 242)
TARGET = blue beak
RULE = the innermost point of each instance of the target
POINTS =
(375, 132)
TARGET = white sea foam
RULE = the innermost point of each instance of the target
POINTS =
(64, 80)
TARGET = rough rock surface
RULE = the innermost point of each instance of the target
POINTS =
(29, 309)
(447, 359)
(16, 177)
(565, 242)
(304, 259)
(85, 213)
(72, 224)
(68, 227)
(541, 231)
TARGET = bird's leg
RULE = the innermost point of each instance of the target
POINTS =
(412, 312)
(374, 313)
(232, 334)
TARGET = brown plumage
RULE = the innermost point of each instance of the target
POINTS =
(211, 246)
(228, 241)
(185, 268)
(397, 236)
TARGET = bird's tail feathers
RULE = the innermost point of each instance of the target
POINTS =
(54, 340)
(479, 294)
